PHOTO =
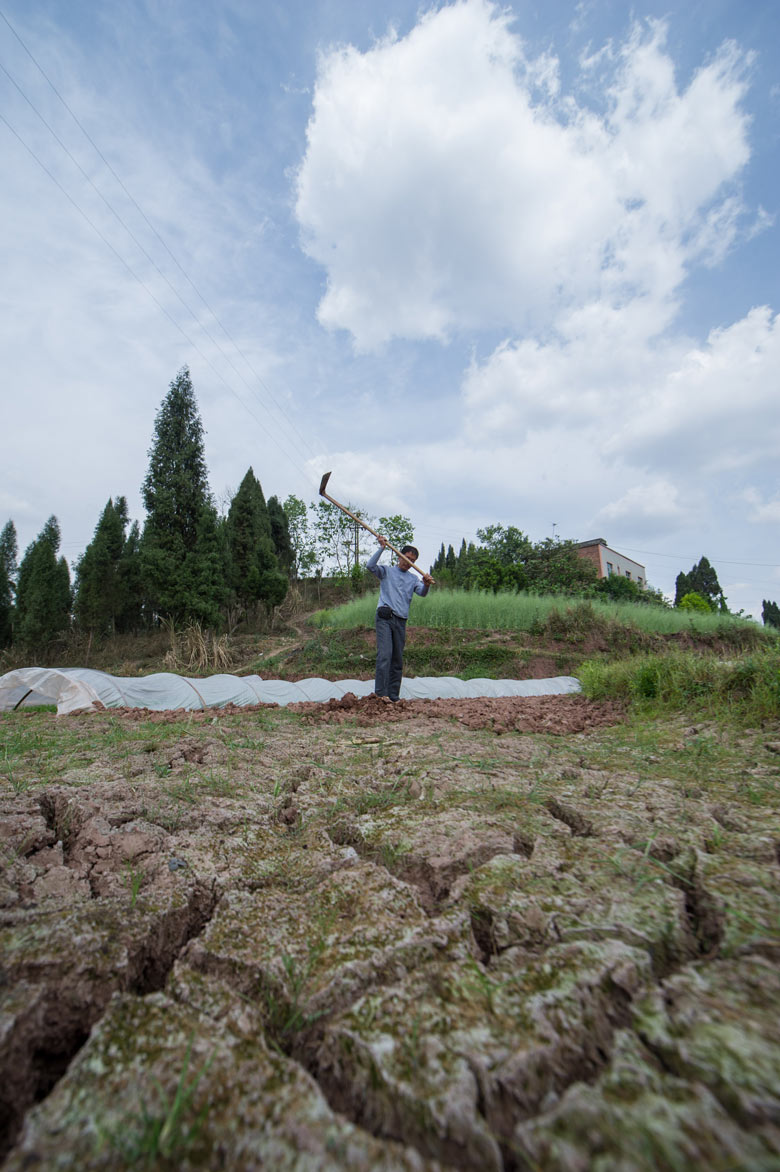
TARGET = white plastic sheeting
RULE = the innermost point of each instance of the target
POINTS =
(75, 688)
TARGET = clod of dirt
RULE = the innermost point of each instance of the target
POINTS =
(553, 714)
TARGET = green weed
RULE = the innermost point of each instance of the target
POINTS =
(162, 1133)
(284, 1013)
(391, 854)
(183, 791)
(219, 784)
(18, 784)
(134, 881)
(370, 801)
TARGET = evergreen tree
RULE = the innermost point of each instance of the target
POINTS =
(209, 588)
(681, 587)
(98, 591)
(444, 568)
(254, 570)
(280, 535)
(175, 493)
(43, 595)
(8, 553)
(770, 613)
(130, 616)
(702, 580)
(466, 556)
(6, 608)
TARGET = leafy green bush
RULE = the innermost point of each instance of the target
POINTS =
(695, 601)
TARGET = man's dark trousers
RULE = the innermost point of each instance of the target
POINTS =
(390, 639)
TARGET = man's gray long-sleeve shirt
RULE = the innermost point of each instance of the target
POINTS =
(396, 587)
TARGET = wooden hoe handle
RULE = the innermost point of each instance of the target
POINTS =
(360, 521)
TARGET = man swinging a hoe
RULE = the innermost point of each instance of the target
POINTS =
(396, 587)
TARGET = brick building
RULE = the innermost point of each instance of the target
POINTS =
(608, 561)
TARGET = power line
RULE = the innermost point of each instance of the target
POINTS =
(686, 557)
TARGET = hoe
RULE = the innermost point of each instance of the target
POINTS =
(344, 509)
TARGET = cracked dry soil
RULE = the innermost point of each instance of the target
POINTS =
(441, 934)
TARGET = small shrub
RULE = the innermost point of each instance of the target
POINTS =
(695, 601)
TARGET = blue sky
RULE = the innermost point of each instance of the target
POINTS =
(485, 263)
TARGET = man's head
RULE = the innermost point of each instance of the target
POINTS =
(409, 554)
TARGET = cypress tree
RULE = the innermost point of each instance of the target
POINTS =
(175, 493)
(682, 587)
(209, 585)
(701, 580)
(98, 592)
(254, 570)
(6, 608)
(280, 535)
(130, 615)
(8, 553)
(770, 613)
(43, 595)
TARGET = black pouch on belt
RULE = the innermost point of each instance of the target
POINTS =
(384, 612)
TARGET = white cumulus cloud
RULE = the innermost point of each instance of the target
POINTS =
(448, 184)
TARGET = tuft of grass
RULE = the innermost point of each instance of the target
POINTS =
(183, 791)
(747, 686)
(162, 1133)
(197, 651)
(133, 883)
(392, 854)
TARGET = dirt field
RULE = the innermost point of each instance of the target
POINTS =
(507, 934)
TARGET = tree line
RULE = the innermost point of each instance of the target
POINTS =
(505, 558)
(191, 564)
(187, 564)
